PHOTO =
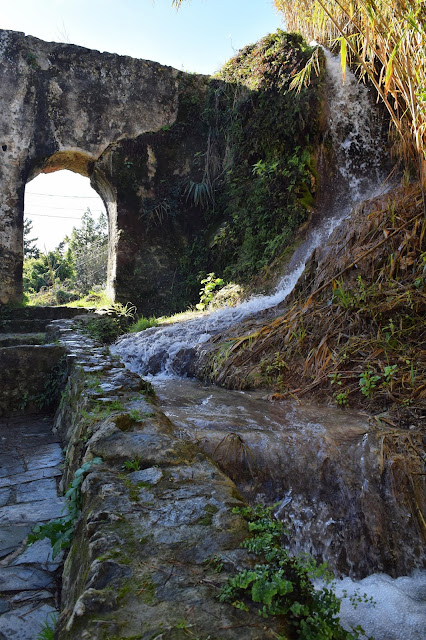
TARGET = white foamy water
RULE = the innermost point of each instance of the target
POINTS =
(399, 612)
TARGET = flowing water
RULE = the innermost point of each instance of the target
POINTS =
(330, 472)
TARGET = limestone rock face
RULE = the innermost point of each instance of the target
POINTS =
(66, 107)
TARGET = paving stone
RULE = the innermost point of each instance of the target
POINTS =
(44, 489)
(48, 455)
(31, 512)
(11, 537)
(27, 476)
(23, 579)
(40, 552)
(25, 596)
(10, 464)
(5, 495)
(26, 622)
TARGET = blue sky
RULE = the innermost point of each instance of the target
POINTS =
(199, 37)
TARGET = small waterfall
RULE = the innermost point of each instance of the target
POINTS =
(165, 351)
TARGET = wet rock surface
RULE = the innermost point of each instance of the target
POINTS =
(344, 488)
(155, 513)
(30, 469)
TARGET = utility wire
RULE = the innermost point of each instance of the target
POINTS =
(57, 195)
(42, 206)
(47, 215)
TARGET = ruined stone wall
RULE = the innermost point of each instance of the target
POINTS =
(66, 107)
(171, 154)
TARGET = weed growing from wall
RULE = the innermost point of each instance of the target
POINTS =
(282, 585)
(60, 530)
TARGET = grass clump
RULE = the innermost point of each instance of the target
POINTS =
(110, 323)
(93, 300)
(143, 323)
(47, 631)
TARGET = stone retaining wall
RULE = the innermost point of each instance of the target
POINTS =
(156, 514)
(26, 372)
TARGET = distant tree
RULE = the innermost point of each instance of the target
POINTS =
(47, 270)
(30, 249)
(88, 248)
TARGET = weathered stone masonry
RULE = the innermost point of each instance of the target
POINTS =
(143, 558)
(66, 107)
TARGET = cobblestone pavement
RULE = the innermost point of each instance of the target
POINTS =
(30, 458)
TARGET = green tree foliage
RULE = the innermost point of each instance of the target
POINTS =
(48, 270)
(88, 245)
(74, 267)
(30, 249)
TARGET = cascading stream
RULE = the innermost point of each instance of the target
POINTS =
(322, 471)
(164, 351)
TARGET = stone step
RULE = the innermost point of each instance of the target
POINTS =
(47, 313)
(35, 319)
(13, 339)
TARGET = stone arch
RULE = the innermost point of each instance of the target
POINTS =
(135, 128)
(83, 164)
(62, 107)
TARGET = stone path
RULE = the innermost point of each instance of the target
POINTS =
(30, 458)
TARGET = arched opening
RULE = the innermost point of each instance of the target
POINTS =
(66, 248)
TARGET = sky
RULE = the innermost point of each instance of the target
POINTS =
(200, 37)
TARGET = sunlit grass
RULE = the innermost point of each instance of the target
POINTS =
(94, 300)
(182, 316)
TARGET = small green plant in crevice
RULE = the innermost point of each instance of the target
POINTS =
(342, 397)
(282, 585)
(132, 465)
(215, 564)
(211, 283)
(31, 59)
(389, 374)
(100, 410)
(368, 382)
(47, 631)
(60, 530)
(135, 415)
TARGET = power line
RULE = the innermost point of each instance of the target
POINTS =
(58, 195)
(42, 206)
(46, 215)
